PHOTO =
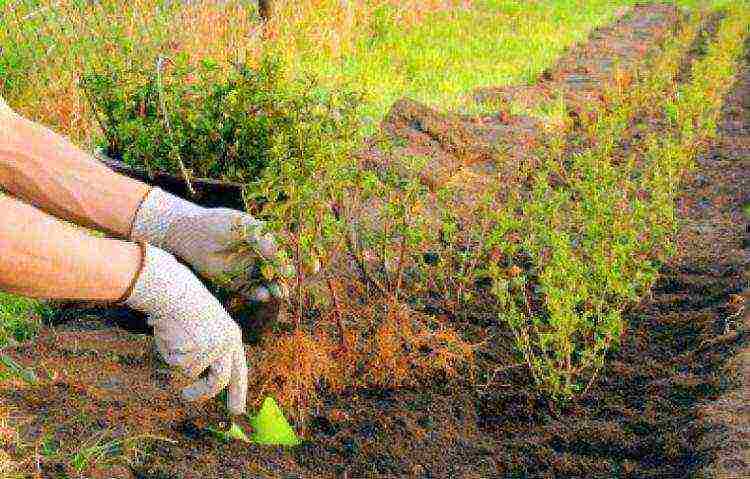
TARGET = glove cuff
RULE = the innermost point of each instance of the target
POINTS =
(146, 292)
(156, 214)
(128, 292)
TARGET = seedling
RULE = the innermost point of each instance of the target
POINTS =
(235, 432)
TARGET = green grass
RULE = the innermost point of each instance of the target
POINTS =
(445, 58)
(19, 318)
(439, 60)
(442, 60)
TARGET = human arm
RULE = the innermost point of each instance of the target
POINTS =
(42, 257)
(46, 170)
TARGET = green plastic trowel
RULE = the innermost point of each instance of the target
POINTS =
(270, 427)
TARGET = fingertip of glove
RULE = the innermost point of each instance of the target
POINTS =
(191, 394)
(236, 402)
(267, 247)
(237, 410)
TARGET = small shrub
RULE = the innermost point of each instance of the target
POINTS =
(209, 121)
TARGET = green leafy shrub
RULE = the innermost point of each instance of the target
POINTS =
(598, 238)
(594, 245)
(206, 121)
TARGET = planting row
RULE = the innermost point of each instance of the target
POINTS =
(397, 280)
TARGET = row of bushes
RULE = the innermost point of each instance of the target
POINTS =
(596, 238)
(600, 238)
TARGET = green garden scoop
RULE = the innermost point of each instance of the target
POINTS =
(269, 427)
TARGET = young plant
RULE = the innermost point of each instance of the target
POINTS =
(304, 185)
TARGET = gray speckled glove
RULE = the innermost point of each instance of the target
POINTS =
(191, 329)
(211, 240)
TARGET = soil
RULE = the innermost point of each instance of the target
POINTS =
(672, 402)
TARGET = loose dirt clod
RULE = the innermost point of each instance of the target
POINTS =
(448, 141)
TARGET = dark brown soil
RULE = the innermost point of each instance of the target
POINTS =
(670, 403)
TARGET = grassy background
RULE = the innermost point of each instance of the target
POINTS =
(434, 51)
(442, 59)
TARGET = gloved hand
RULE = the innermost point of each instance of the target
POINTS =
(5, 109)
(214, 241)
(191, 329)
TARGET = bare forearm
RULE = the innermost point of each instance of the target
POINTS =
(42, 257)
(51, 173)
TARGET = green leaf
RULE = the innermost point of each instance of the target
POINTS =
(236, 432)
(268, 272)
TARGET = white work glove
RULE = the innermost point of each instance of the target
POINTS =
(5, 111)
(208, 239)
(192, 330)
